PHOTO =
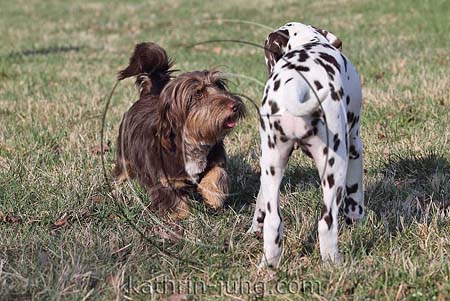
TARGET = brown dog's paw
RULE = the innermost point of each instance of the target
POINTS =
(214, 187)
(181, 211)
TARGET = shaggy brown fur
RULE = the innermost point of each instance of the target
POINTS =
(171, 139)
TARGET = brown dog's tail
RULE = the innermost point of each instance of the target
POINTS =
(151, 65)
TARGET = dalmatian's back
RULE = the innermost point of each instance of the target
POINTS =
(309, 74)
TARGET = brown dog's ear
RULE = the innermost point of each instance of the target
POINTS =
(334, 40)
(166, 126)
(274, 47)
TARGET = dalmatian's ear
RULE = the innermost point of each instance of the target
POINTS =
(334, 40)
(275, 46)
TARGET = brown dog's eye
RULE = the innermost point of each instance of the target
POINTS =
(198, 93)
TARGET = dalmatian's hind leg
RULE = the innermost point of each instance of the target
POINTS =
(274, 157)
(333, 160)
(354, 199)
(258, 216)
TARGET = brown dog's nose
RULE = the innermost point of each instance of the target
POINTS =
(233, 107)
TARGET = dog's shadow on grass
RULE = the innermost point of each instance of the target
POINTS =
(409, 188)
(403, 189)
(245, 181)
(44, 51)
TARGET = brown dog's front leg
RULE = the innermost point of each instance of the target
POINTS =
(214, 187)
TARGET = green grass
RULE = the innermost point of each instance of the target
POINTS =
(58, 62)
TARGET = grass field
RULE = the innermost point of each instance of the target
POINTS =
(63, 237)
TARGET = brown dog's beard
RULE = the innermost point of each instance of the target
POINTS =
(195, 157)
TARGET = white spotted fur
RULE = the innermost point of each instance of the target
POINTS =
(296, 101)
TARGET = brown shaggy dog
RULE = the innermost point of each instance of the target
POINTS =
(171, 139)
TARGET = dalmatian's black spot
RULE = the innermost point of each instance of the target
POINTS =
(345, 62)
(315, 130)
(289, 47)
(272, 170)
(288, 65)
(330, 179)
(267, 172)
(275, 77)
(353, 153)
(330, 71)
(284, 139)
(350, 202)
(341, 93)
(261, 217)
(277, 239)
(331, 162)
(334, 95)
(350, 117)
(279, 128)
(355, 120)
(360, 209)
(325, 150)
(290, 55)
(275, 139)
(308, 134)
(315, 121)
(336, 141)
(261, 121)
(264, 100)
(302, 68)
(327, 46)
(338, 195)
(276, 85)
(317, 114)
(318, 85)
(274, 108)
(309, 46)
(329, 220)
(269, 142)
(288, 80)
(299, 68)
(303, 56)
(268, 207)
(306, 151)
(330, 59)
(348, 99)
(352, 189)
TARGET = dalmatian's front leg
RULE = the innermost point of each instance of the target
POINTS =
(275, 155)
(333, 159)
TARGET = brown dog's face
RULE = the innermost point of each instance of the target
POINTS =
(200, 105)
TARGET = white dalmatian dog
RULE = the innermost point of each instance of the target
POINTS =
(312, 100)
